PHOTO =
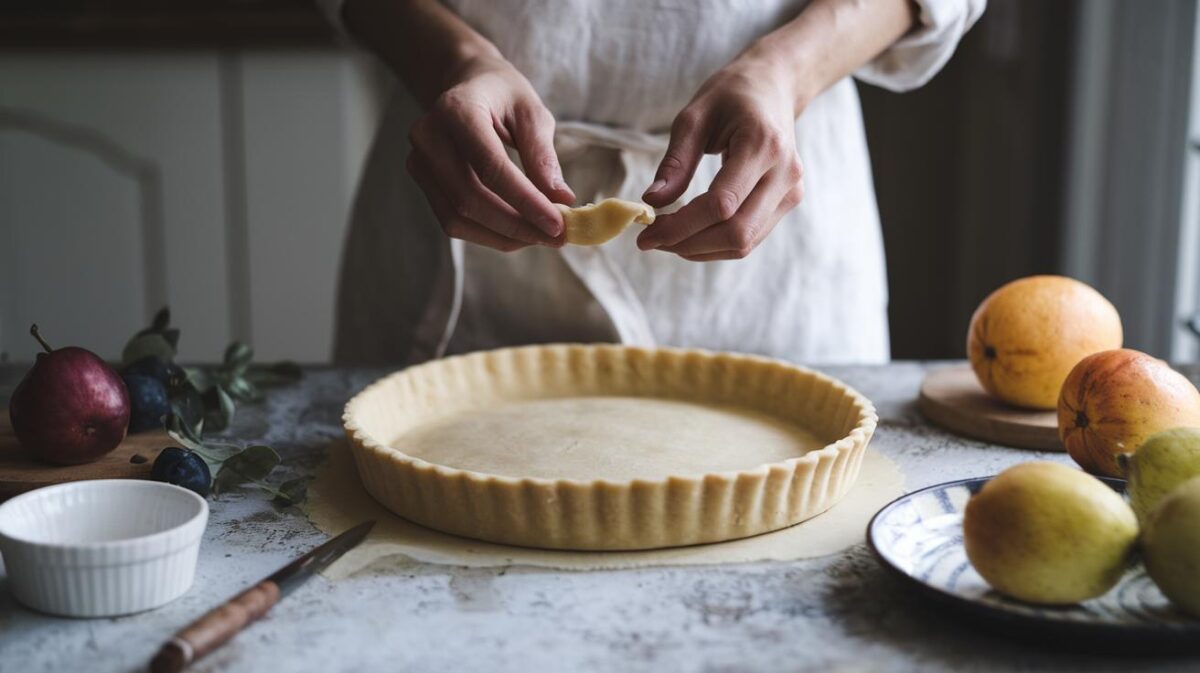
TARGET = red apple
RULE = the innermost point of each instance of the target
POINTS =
(71, 407)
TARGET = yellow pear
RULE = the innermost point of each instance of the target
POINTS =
(1171, 546)
(1046, 533)
(1164, 461)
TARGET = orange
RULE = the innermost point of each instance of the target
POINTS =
(1027, 335)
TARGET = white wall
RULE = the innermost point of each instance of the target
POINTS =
(1185, 347)
(216, 182)
(1132, 189)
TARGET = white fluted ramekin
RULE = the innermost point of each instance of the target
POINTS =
(101, 548)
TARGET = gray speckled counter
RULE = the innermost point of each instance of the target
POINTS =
(839, 613)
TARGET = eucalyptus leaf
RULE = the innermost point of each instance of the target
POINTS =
(188, 404)
(181, 431)
(161, 320)
(219, 414)
(147, 345)
(255, 462)
(243, 391)
(223, 445)
(227, 405)
(213, 463)
(217, 452)
(238, 356)
(251, 465)
(159, 323)
(226, 480)
(292, 491)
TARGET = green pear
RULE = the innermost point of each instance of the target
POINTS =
(1171, 546)
(1050, 534)
(1165, 460)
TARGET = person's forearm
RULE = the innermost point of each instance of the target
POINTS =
(422, 41)
(827, 41)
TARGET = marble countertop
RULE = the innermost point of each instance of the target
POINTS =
(837, 613)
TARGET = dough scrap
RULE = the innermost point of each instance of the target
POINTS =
(598, 223)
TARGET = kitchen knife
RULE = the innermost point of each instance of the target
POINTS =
(224, 622)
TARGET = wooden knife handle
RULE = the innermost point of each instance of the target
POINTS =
(213, 629)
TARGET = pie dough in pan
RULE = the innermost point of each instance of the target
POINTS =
(595, 447)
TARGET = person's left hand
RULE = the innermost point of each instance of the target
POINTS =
(746, 114)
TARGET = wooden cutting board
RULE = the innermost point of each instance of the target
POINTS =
(19, 472)
(953, 399)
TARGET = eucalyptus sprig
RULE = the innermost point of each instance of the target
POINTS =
(236, 380)
(159, 340)
(207, 398)
(235, 466)
(215, 391)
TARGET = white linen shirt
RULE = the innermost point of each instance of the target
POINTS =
(615, 73)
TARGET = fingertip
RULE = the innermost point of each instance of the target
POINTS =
(538, 237)
(555, 189)
(655, 199)
(665, 195)
(556, 241)
(652, 195)
(551, 226)
(563, 194)
(646, 242)
(545, 215)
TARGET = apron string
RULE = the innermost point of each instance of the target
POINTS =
(639, 153)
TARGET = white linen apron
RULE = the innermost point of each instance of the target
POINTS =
(615, 73)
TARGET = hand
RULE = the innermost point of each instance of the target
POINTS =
(458, 159)
(747, 114)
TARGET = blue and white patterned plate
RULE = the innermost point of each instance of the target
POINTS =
(919, 536)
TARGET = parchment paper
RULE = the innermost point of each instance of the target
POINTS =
(337, 501)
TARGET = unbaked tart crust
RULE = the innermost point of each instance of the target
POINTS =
(608, 447)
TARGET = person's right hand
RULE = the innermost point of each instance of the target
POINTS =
(458, 159)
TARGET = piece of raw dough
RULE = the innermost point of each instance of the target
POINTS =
(598, 223)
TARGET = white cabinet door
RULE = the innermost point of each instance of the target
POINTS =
(216, 182)
(111, 199)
